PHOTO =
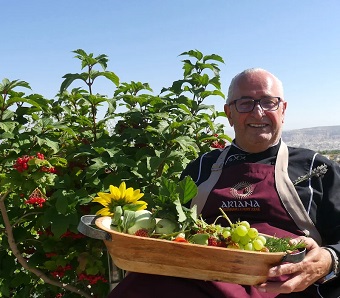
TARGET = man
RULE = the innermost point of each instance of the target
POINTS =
(258, 179)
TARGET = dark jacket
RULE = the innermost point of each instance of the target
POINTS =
(319, 195)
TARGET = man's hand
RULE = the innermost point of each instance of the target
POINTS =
(316, 264)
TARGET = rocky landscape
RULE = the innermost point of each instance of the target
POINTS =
(319, 138)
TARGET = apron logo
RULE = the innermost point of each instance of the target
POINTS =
(242, 190)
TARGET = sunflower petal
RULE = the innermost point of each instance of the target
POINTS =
(137, 194)
(105, 196)
(129, 195)
(122, 189)
(101, 201)
(114, 192)
(104, 212)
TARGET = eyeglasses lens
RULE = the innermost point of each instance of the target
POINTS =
(245, 105)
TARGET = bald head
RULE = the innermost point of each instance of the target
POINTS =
(248, 75)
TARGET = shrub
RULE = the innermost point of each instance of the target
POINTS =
(56, 155)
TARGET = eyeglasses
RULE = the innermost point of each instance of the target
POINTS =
(247, 104)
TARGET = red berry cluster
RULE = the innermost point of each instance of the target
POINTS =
(92, 279)
(38, 201)
(59, 295)
(218, 143)
(21, 164)
(72, 235)
(46, 232)
(50, 254)
(40, 156)
(60, 271)
(48, 170)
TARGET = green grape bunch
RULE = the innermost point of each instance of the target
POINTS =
(238, 235)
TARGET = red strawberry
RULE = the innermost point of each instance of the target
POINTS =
(221, 244)
(212, 241)
(142, 233)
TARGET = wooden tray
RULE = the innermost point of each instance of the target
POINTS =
(164, 257)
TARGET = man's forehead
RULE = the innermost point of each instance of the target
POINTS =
(255, 83)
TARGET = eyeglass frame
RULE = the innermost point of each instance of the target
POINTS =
(255, 101)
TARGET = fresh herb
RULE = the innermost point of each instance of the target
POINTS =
(317, 172)
(275, 244)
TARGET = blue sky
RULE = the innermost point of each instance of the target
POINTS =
(299, 41)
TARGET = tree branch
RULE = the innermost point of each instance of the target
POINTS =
(21, 259)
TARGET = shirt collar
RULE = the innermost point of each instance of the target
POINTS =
(276, 146)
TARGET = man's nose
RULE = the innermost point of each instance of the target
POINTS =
(258, 109)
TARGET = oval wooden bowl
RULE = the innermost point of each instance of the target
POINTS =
(164, 257)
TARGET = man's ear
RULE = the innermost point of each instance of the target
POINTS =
(284, 107)
(227, 111)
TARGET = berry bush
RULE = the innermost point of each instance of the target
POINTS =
(57, 154)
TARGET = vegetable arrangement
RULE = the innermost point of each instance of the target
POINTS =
(171, 220)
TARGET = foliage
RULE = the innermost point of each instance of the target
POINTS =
(57, 154)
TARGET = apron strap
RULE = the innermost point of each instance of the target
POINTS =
(290, 198)
(205, 187)
(284, 186)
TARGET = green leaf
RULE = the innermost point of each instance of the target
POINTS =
(49, 245)
(181, 215)
(51, 144)
(8, 126)
(128, 220)
(8, 85)
(187, 189)
(4, 290)
(215, 81)
(59, 227)
(98, 164)
(92, 270)
(168, 188)
(204, 79)
(69, 79)
(117, 217)
(193, 53)
(95, 99)
(188, 67)
(20, 279)
(201, 239)
(213, 57)
(20, 99)
(111, 76)
(62, 205)
(177, 86)
(185, 142)
(50, 265)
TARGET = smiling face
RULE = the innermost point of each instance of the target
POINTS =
(257, 130)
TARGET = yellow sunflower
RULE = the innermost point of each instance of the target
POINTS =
(128, 199)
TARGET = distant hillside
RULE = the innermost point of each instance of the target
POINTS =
(316, 138)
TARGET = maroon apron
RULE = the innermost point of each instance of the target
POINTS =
(245, 192)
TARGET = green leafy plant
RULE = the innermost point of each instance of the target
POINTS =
(57, 154)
